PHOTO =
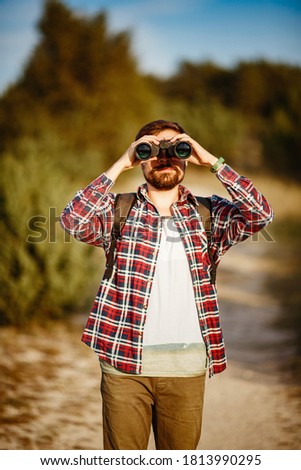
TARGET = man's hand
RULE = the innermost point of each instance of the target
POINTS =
(199, 155)
(128, 160)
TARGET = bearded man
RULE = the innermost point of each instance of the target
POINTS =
(155, 321)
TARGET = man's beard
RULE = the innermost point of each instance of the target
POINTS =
(163, 180)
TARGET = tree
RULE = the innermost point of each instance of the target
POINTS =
(74, 85)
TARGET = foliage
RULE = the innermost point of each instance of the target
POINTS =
(42, 270)
(264, 98)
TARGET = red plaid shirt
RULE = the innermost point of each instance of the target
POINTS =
(114, 329)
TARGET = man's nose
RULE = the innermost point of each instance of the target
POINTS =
(163, 155)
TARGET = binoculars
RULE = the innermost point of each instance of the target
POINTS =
(146, 150)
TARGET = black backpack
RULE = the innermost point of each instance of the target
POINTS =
(122, 207)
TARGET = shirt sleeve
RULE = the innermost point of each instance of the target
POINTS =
(89, 216)
(236, 220)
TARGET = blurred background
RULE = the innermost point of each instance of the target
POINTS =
(78, 79)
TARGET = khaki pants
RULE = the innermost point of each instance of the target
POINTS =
(173, 405)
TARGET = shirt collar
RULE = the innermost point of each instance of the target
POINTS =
(185, 194)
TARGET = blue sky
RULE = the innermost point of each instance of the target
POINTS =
(164, 32)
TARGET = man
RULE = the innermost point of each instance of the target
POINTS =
(155, 321)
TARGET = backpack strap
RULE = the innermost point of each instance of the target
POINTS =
(205, 211)
(122, 207)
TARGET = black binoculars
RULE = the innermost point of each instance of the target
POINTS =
(146, 150)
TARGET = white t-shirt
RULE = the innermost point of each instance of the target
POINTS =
(172, 316)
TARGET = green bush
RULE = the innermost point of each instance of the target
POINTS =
(43, 273)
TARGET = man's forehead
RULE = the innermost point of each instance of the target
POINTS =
(167, 133)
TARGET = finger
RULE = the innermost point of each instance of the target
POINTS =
(180, 137)
(148, 138)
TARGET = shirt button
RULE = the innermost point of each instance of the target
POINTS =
(145, 306)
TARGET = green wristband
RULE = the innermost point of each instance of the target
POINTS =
(217, 165)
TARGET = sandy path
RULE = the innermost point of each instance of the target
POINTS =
(51, 401)
(244, 411)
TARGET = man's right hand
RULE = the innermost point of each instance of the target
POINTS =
(128, 160)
